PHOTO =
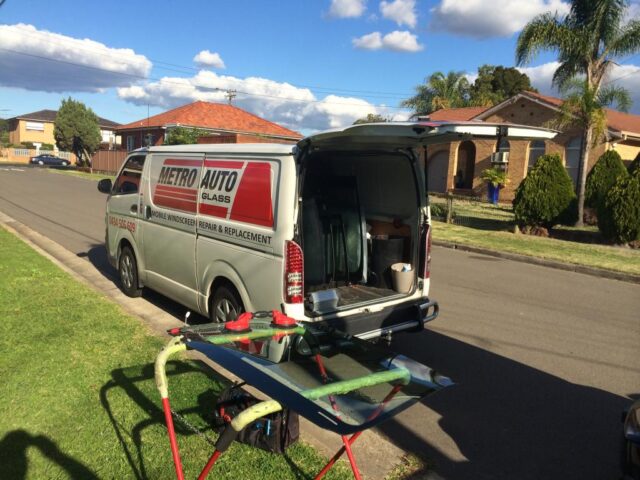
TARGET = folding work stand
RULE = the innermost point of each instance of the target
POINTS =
(279, 357)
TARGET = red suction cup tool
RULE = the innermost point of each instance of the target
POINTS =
(240, 324)
(280, 320)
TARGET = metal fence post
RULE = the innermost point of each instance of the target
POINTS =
(449, 207)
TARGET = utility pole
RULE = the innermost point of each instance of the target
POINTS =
(230, 94)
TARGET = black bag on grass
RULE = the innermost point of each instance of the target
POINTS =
(273, 433)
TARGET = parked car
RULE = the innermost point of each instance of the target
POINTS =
(631, 443)
(49, 160)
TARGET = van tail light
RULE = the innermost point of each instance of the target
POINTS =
(293, 273)
(425, 251)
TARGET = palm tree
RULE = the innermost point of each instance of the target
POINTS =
(587, 40)
(440, 91)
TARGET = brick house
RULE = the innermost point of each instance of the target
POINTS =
(37, 128)
(216, 119)
(457, 166)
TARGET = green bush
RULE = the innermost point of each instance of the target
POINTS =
(619, 213)
(546, 196)
(602, 177)
(635, 165)
(439, 210)
(46, 146)
(27, 145)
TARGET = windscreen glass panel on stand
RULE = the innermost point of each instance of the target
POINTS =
(336, 381)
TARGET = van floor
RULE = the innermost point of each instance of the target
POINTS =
(350, 294)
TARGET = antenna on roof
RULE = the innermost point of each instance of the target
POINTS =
(231, 94)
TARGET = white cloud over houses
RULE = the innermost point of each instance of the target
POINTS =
(40, 60)
(398, 41)
(347, 8)
(293, 107)
(403, 12)
(205, 58)
(498, 18)
(626, 76)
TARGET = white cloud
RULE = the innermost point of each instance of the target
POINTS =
(35, 59)
(347, 8)
(498, 18)
(633, 12)
(398, 41)
(370, 41)
(626, 76)
(293, 107)
(208, 59)
(403, 12)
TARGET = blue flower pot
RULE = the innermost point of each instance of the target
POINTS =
(493, 193)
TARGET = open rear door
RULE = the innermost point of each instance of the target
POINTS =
(413, 134)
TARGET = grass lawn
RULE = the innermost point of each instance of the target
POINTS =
(77, 396)
(75, 173)
(601, 256)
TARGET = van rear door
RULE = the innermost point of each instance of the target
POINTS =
(406, 134)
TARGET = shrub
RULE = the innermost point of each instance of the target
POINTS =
(46, 146)
(546, 196)
(28, 145)
(439, 210)
(602, 177)
(635, 165)
(619, 213)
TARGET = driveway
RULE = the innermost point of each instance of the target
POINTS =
(545, 360)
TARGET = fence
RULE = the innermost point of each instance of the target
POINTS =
(23, 155)
(468, 211)
(107, 161)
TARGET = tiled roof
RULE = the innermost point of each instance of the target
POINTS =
(455, 114)
(616, 120)
(50, 116)
(213, 116)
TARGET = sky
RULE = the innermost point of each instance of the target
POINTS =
(306, 64)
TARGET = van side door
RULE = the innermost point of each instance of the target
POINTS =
(169, 225)
(123, 208)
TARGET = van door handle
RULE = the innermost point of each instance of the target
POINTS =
(134, 209)
(147, 212)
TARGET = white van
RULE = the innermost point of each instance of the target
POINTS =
(311, 229)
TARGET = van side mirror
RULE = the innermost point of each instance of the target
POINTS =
(105, 185)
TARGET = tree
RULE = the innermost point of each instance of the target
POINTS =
(545, 197)
(495, 84)
(619, 213)
(602, 177)
(372, 118)
(183, 136)
(4, 132)
(587, 40)
(76, 129)
(440, 91)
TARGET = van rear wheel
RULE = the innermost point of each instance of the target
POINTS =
(128, 270)
(226, 305)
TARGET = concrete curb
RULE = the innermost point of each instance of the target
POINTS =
(596, 272)
(371, 464)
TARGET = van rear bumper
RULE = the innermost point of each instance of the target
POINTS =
(407, 316)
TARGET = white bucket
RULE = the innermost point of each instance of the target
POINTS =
(402, 281)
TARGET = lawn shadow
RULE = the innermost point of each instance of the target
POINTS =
(510, 421)
(131, 381)
(15, 465)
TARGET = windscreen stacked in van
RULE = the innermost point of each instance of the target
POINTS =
(355, 207)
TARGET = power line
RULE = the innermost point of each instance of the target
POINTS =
(201, 87)
(187, 69)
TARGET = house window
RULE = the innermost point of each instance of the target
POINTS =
(536, 150)
(35, 126)
(149, 139)
(503, 146)
(572, 157)
(131, 142)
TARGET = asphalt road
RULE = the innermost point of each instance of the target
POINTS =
(544, 360)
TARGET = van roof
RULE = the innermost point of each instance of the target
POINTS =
(258, 148)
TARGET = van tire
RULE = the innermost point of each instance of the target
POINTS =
(225, 305)
(128, 271)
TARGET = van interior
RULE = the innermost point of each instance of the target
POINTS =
(360, 216)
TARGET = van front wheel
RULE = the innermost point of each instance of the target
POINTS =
(225, 306)
(128, 270)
